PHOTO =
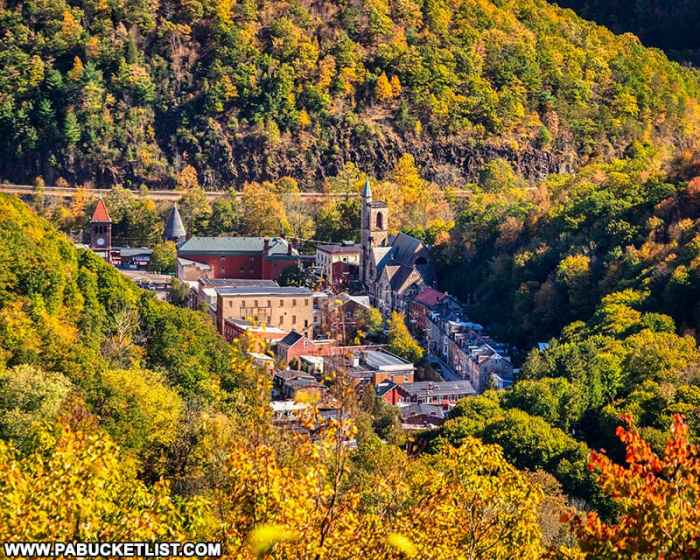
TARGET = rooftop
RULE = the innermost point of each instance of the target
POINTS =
(380, 360)
(291, 339)
(340, 249)
(134, 251)
(265, 290)
(236, 283)
(233, 246)
(101, 214)
(174, 228)
(433, 388)
(430, 297)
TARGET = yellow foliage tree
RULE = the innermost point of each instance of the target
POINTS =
(383, 89)
(262, 211)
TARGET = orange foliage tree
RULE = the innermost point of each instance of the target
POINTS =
(658, 500)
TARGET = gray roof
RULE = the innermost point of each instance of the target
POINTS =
(174, 228)
(377, 358)
(262, 290)
(135, 251)
(236, 283)
(436, 389)
(232, 246)
(421, 409)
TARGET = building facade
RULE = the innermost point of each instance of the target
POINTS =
(250, 258)
(287, 308)
(338, 265)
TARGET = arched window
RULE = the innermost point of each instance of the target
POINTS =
(380, 221)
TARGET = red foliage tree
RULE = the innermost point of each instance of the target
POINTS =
(658, 500)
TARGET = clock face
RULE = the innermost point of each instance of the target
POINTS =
(100, 241)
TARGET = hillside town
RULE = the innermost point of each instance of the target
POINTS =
(322, 322)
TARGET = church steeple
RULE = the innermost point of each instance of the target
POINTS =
(367, 190)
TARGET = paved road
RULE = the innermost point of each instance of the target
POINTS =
(445, 371)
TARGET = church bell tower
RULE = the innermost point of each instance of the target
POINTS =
(375, 231)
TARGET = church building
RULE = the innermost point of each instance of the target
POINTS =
(393, 268)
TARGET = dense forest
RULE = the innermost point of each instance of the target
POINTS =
(131, 92)
(671, 25)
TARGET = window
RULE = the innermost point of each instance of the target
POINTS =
(255, 303)
(269, 303)
(281, 303)
(294, 303)
(306, 302)
(242, 303)
(281, 320)
(294, 319)
(380, 221)
(230, 303)
(306, 323)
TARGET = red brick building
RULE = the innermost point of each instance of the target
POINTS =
(255, 258)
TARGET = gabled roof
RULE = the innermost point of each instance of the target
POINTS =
(174, 228)
(100, 214)
(222, 246)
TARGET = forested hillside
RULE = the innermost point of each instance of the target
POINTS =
(131, 91)
(529, 263)
(672, 25)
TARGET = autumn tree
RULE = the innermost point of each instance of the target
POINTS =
(657, 498)
(164, 257)
(401, 342)
(262, 211)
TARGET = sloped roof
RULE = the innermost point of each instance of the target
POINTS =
(100, 214)
(430, 297)
(174, 228)
(291, 339)
(421, 409)
(232, 246)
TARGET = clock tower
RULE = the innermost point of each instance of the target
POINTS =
(101, 230)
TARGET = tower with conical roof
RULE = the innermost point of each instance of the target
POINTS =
(374, 230)
(174, 228)
(101, 230)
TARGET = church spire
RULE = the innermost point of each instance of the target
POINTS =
(367, 190)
